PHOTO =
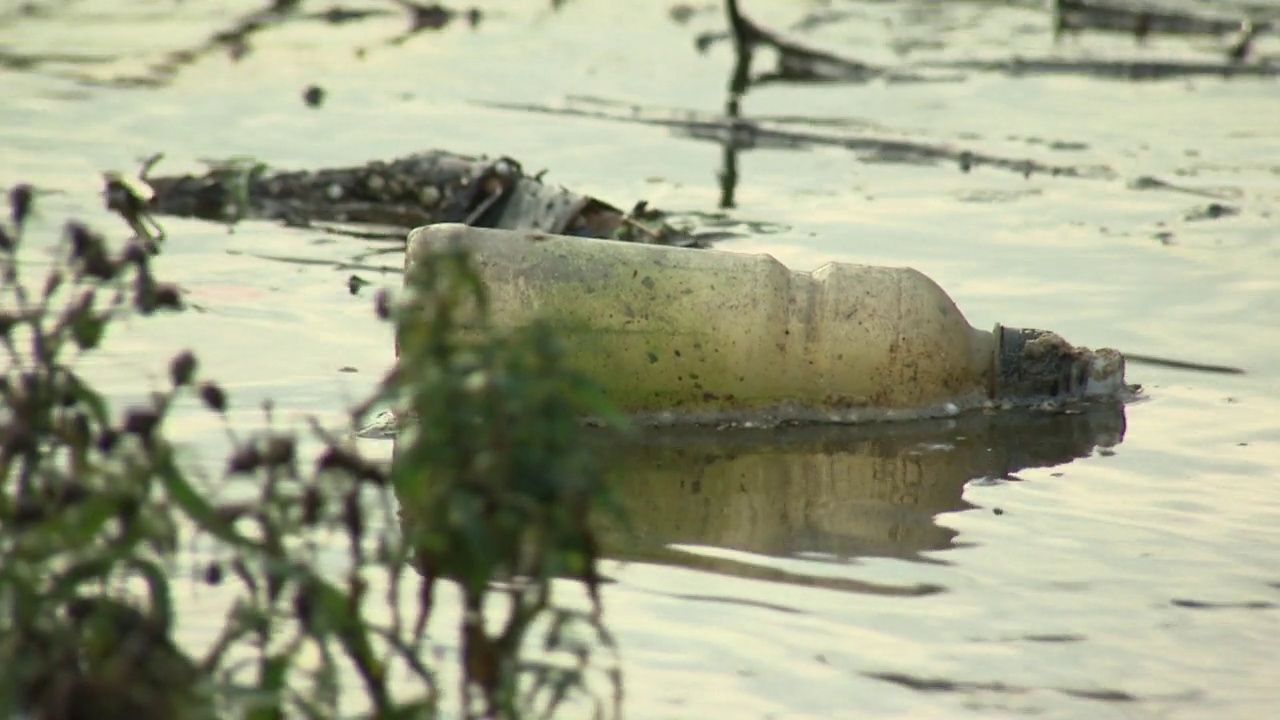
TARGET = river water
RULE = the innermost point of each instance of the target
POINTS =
(1123, 563)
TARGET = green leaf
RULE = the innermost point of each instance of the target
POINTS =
(273, 671)
(87, 330)
(194, 505)
(408, 654)
(309, 709)
(65, 585)
(88, 397)
(333, 613)
(70, 529)
(158, 583)
(325, 682)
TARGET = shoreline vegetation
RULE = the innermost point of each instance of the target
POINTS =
(497, 488)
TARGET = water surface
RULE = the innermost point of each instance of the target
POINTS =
(1121, 565)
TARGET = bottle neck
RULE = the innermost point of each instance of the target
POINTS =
(1029, 363)
(984, 358)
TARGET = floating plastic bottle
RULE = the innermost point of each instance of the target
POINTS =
(677, 335)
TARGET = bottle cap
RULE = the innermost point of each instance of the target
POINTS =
(1038, 364)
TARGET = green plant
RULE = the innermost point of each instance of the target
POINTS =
(95, 507)
(496, 482)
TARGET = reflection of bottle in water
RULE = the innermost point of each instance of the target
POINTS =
(838, 491)
(704, 335)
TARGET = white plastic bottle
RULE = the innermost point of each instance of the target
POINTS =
(686, 335)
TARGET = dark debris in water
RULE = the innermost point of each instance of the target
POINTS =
(1212, 211)
(1238, 605)
(15, 61)
(1148, 182)
(355, 283)
(430, 187)
(798, 62)
(431, 17)
(743, 602)
(313, 96)
(1054, 638)
(1176, 364)
(1103, 695)
(682, 12)
(741, 134)
(1049, 638)
(923, 684)
(1111, 69)
(1142, 20)
(235, 39)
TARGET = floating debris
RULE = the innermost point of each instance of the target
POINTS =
(944, 685)
(1237, 605)
(1148, 182)
(1110, 69)
(799, 63)
(740, 133)
(235, 39)
(1212, 211)
(355, 283)
(313, 96)
(420, 189)
(1141, 20)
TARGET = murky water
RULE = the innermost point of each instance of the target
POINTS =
(956, 569)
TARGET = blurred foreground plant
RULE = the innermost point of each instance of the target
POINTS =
(496, 484)
(96, 511)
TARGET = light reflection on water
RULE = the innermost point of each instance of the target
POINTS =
(1136, 580)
